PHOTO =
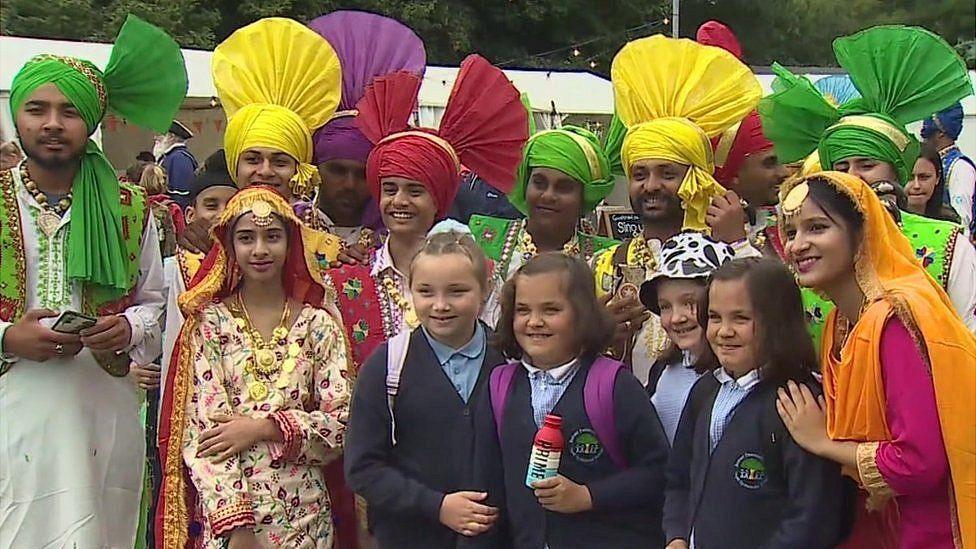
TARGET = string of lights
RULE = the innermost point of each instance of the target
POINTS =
(575, 48)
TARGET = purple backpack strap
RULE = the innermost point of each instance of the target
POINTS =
(499, 385)
(598, 401)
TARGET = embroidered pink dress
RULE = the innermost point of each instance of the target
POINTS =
(276, 489)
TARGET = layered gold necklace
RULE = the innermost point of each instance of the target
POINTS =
(530, 250)
(398, 300)
(50, 218)
(267, 360)
(643, 254)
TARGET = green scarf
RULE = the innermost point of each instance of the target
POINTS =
(145, 82)
(904, 74)
(572, 150)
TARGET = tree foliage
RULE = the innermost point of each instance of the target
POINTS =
(800, 32)
(520, 33)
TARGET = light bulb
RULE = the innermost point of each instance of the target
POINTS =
(576, 52)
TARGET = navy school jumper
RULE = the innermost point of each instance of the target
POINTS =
(758, 488)
(626, 503)
(404, 485)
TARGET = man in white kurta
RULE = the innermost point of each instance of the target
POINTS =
(72, 447)
(72, 238)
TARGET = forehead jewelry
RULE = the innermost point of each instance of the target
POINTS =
(794, 200)
(261, 212)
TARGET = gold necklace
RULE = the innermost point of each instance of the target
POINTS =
(643, 254)
(265, 358)
(50, 217)
(530, 250)
(401, 302)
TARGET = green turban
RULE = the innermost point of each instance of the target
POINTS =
(871, 135)
(572, 150)
(145, 82)
(903, 75)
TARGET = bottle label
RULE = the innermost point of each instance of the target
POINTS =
(543, 464)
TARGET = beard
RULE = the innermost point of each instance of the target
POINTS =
(49, 161)
(672, 211)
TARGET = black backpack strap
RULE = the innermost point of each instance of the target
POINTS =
(654, 376)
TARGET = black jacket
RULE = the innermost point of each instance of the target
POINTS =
(404, 485)
(627, 503)
(758, 488)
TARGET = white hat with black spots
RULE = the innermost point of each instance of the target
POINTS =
(688, 255)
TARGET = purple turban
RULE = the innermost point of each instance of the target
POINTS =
(368, 45)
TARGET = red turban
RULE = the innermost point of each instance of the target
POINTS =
(484, 127)
(745, 138)
(736, 144)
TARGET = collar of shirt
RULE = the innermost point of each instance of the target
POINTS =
(382, 261)
(746, 382)
(687, 359)
(558, 374)
(470, 350)
(170, 149)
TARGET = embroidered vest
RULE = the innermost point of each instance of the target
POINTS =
(933, 241)
(359, 302)
(13, 261)
(499, 238)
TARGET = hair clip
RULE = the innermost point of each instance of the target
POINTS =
(261, 213)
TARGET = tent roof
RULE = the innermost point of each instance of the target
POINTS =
(569, 92)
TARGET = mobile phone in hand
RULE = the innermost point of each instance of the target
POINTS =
(70, 322)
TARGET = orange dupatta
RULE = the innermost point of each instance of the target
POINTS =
(894, 283)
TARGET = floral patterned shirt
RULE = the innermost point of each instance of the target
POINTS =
(277, 489)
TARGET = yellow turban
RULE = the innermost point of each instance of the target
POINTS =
(673, 96)
(278, 81)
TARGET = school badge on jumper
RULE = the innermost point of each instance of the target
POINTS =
(750, 471)
(584, 446)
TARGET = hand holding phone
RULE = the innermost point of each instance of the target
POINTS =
(29, 338)
(70, 322)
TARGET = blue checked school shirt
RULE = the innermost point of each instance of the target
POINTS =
(463, 365)
(548, 387)
(731, 393)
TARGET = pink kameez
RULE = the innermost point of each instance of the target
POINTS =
(912, 467)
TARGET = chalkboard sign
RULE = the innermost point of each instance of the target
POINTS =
(619, 223)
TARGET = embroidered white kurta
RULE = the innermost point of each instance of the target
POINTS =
(72, 447)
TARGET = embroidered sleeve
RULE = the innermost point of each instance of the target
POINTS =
(867, 469)
(316, 437)
(221, 485)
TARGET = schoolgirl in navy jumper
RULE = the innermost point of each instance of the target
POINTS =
(735, 476)
(673, 293)
(552, 323)
(411, 431)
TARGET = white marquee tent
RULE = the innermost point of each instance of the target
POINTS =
(555, 96)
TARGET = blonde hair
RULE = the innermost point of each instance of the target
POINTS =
(456, 242)
(153, 180)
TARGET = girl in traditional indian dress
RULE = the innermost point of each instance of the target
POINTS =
(898, 376)
(258, 394)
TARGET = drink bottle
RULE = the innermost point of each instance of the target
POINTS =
(547, 448)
